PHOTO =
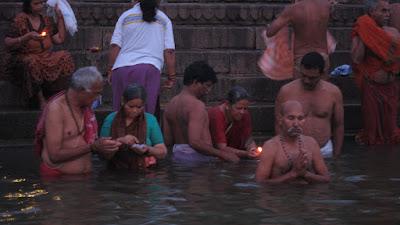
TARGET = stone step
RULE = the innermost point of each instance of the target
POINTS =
(21, 124)
(261, 88)
(193, 14)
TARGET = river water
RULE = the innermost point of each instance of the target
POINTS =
(364, 189)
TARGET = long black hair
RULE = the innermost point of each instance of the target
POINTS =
(149, 9)
(26, 7)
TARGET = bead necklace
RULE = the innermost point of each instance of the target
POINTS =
(284, 149)
(73, 115)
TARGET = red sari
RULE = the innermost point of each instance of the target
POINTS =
(34, 65)
(234, 136)
(379, 103)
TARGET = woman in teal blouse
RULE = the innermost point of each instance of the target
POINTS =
(139, 133)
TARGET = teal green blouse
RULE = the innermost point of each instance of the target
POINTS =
(154, 135)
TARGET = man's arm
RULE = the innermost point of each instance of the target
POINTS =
(321, 174)
(169, 55)
(168, 136)
(113, 53)
(239, 153)
(357, 50)
(338, 124)
(280, 22)
(196, 120)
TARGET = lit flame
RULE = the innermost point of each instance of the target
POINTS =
(259, 150)
(43, 33)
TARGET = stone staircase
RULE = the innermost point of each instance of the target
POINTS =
(225, 33)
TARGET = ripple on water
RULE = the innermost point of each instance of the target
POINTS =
(356, 178)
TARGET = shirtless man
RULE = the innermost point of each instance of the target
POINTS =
(186, 124)
(395, 15)
(375, 65)
(291, 156)
(322, 102)
(68, 128)
(309, 19)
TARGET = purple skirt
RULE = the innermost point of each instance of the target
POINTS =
(145, 74)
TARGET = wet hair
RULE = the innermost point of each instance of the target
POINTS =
(313, 60)
(199, 71)
(85, 77)
(134, 91)
(26, 7)
(237, 94)
(149, 10)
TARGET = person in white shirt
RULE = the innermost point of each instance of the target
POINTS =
(142, 39)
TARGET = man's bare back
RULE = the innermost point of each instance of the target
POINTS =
(395, 16)
(177, 114)
(309, 19)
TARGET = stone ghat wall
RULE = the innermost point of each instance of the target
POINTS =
(228, 35)
(225, 33)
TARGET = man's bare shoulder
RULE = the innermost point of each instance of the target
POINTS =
(310, 143)
(333, 89)
(271, 145)
(394, 6)
(56, 106)
(292, 84)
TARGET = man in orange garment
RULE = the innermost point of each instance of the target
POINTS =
(375, 54)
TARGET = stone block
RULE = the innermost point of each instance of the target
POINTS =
(10, 95)
(214, 37)
(244, 63)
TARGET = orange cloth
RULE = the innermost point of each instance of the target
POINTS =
(34, 65)
(277, 60)
(386, 49)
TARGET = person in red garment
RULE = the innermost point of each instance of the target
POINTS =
(375, 54)
(230, 124)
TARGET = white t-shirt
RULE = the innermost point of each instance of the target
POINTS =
(140, 41)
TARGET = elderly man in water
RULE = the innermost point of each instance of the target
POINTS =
(291, 156)
(67, 128)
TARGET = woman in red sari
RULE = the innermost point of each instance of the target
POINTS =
(230, 124)
(29, 62)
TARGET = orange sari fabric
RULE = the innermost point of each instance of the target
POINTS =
(385, 49)
(34, 64)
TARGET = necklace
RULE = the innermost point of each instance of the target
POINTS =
(284, 149)
(73, 115)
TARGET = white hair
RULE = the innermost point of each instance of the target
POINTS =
(85, 78)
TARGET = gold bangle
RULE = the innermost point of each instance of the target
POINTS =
(19, 40)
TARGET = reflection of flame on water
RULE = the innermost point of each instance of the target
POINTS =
(31, 194)
(43, 33)
(259, 150)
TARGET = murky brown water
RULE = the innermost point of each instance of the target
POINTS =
(365, 189)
